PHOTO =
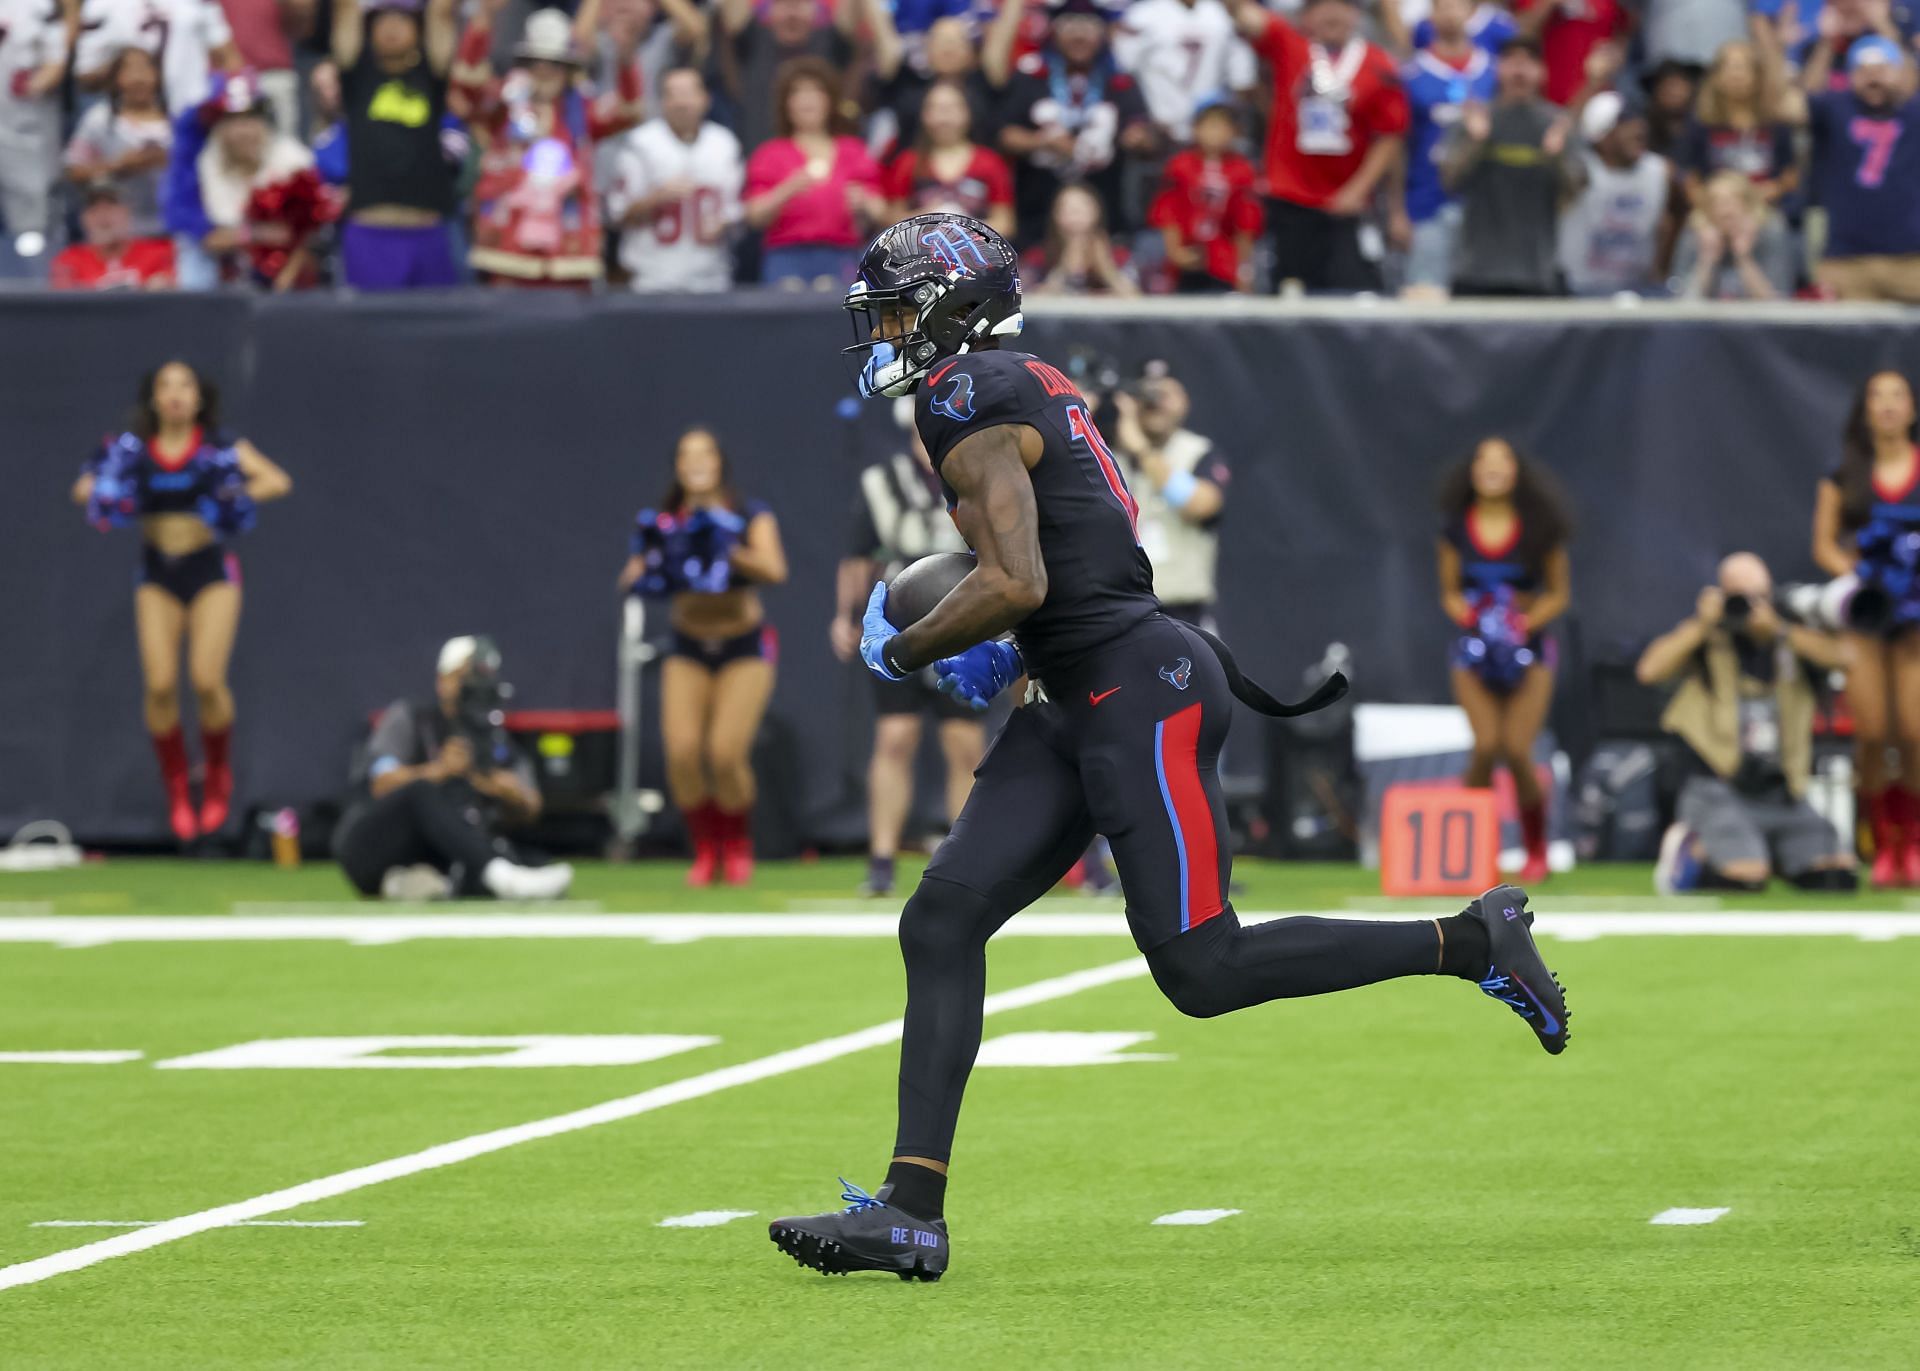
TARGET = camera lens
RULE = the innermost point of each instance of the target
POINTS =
(1738, 608)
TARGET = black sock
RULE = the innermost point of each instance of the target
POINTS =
(880, 871)
(1463, 948)
(920, 1190)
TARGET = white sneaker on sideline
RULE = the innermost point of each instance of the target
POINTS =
(415, 884)
(510, 881)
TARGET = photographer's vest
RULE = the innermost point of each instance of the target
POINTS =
(1705, 711)
(1184, 554)
(909, 517)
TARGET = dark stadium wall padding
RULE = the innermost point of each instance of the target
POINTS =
(471, 463)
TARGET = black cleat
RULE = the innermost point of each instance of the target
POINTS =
(868, 1235)
(1516, 974)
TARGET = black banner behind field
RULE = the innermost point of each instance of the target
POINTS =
(472, 463)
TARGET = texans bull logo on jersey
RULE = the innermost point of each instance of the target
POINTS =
(1179, 675)
(957, 403)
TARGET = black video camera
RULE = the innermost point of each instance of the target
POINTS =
(479, 713)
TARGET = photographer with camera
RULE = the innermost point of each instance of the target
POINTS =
(1179, 480)
(1865, 521)
(441, 778)
(1744, 707)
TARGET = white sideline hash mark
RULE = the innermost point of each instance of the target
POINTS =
(68, 1058)
(552, 1049)
(705, 1218)
(480, 1144)
(89, 930)
(244, 1223)
(1181, 1218)
(1688, 1216)
(1065, 1049)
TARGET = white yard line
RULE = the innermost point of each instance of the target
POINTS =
(245, 1223)
(83, 930)
(480, 1144)
(68, 1058)
(1193, 1218)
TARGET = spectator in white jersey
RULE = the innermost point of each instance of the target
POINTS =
(1614, 231)
(1183, 53)
(899, 516)
(33, 52)
(190, 38)
(676, 193)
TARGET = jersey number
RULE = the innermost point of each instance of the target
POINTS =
(702, 207)
(1877, 138)
(1087, 436)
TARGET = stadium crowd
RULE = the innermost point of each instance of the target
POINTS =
(1709, 149)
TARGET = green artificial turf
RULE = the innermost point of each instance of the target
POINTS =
(1420, 1186)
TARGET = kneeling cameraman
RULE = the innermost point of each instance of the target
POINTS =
(1745, 708)
(441, 777)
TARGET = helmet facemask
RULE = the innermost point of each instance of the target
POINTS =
(946, 323)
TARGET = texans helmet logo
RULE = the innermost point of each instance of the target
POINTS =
(1179, 675)
(957, 403)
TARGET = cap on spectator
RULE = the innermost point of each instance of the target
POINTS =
(548, 37)
(458, 652)
(103, 189)
(1520, 43)
(1216, 104)
(1092, 9)
(238, 94)
(404, 6)
(1873, 50)
(1602, 115)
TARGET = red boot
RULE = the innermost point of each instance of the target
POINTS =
(1884, 820)
(171, 749)
(1533, 831)
(736, 847)
(1907, 815)
(216, 800)
(702, 829)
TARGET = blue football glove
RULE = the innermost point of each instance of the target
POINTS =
(979, 673)
(874, 632)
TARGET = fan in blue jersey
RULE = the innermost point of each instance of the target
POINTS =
(1126, 712)
(188, 487)
(1449, 72)
(1485, 26)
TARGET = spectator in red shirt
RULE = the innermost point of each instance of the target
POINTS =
(112, 258)
(812, 191)
(1206, 209)
(260, 31)
(536, 214)
(947, 170)
(1338, 122)
(1567, 31)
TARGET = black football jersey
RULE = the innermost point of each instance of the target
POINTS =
(1099, 582)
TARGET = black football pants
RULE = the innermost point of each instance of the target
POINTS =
(1127, 745)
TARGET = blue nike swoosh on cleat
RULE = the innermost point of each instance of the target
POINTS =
(1548, 1024)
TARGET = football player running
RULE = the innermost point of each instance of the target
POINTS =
(1121, 735)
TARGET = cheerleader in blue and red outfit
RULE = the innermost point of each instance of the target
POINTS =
(1504, 576)
(705, 551)
(188, 487)
(1866, 522)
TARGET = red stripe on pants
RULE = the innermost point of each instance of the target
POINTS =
(1180, 764)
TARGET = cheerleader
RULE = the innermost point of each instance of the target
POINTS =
(1866, 513)
(1504, 576)
(705, 550)
(189, 487)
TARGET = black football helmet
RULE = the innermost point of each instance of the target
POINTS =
(960, 280)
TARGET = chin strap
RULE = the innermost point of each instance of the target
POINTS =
(1256, 697)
